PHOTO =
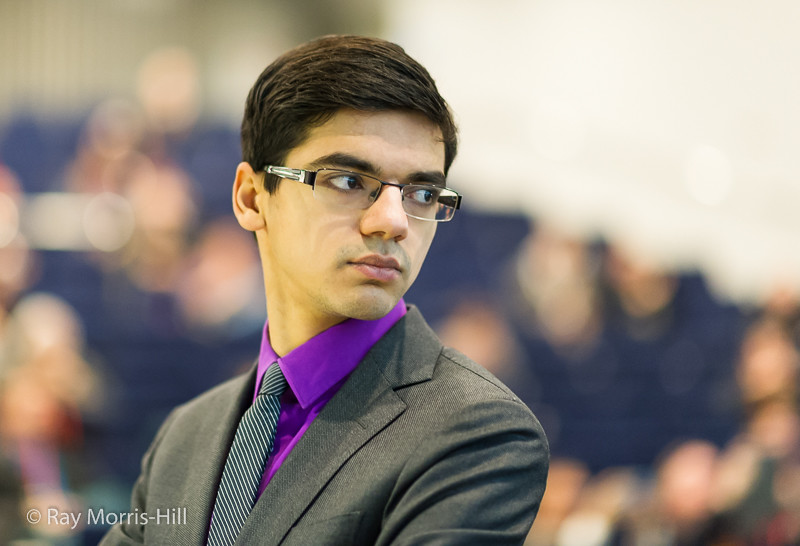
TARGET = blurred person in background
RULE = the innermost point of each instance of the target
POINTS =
(759, 473)
(108, 148)
(769, 366)
(221, 282)
(128, 155)
(46, 389)
(381, 435)
(603, 500)
(685, 483)
(565, 483)
(745, 493)
(17, 272)
(640, 295)
(555, 279)
(120, 155)
(161, 196)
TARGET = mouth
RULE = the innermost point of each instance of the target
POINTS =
(378, 268)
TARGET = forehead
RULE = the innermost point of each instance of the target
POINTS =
(391, 140)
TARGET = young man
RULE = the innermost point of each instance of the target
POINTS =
(372, 432)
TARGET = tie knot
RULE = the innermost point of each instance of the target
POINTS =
(273, 383)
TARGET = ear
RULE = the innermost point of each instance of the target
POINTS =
(245, 202)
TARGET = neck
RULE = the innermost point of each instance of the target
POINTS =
(292, 320)
(287, 331)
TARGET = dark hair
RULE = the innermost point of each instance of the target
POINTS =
(306, 86)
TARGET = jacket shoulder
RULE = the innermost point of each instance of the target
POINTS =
(477, 373)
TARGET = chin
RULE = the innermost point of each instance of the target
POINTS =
(370, 306)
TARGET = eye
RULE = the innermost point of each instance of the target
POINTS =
(344, 181)
(422, 195)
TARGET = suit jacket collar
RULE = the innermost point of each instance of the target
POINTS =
(365, 404)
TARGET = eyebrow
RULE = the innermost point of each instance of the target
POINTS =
(347, 161)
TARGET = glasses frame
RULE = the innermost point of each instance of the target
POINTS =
(309, 178)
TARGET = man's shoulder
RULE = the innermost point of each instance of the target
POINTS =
(443, 378)
(217, 397)
(445, 361)
(472, 373)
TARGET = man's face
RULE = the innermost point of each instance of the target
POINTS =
(323, 264)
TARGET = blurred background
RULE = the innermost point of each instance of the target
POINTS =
(628, 259)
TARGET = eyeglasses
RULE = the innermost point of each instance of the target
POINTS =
(352, 190)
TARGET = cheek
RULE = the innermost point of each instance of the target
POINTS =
(419, 242)
(326, 234)
(297, 231)
(319, 244)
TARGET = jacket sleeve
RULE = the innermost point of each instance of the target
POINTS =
(479, 480)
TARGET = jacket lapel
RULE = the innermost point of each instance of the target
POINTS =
(365, 404)
(213, 436)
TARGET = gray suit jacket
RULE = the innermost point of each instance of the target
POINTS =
(419, 446)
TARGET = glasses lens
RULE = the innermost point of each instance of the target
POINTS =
(358, 191)
(421, 201)
(429, 202)
(345, 189)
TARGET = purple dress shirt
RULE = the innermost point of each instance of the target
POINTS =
(315, 371)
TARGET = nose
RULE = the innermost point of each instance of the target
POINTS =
(386, 217)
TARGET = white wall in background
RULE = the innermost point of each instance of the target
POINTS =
(671, 126)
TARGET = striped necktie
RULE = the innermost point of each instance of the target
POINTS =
(251, 447)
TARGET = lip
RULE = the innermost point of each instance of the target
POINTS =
(376, 260)
(377, 267)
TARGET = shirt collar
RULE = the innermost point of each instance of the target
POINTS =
(321, 362)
